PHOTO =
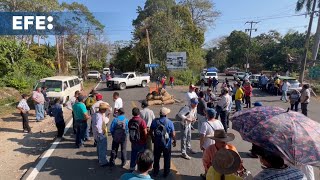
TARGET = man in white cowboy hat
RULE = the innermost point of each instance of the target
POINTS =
(221, 142)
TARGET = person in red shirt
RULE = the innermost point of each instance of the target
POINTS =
(247, 88)
(171, 81)
(138, 136)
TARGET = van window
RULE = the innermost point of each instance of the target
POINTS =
(53, 85)
(131, 76)
(71, 83)
(65, 85)
(76, 81)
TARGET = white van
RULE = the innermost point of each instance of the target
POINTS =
(61, 86)
(106, 71)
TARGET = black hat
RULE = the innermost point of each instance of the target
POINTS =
(144, 103)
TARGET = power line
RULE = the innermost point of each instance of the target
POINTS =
(250, 34)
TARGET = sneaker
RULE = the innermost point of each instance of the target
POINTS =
(192, 152)
(123, 164)
(185, 156)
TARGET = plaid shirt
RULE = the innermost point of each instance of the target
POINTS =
(23, 105)
(280, 174)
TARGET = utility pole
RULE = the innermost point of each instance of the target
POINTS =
(149, 51)
(250, 34)
(306, 44)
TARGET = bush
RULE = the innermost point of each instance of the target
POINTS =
(316, 88)
(185, 77)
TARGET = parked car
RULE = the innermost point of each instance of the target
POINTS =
(128, 79)
(62, 87)
(239, 75)
(106, 71)
(254, 79)
(93, 75)
(294, 83)
(230, 71)
(206, 74)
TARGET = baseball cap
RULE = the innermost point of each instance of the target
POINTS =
(194, 101)
(81, 98)
(211, 112)
(99, 97)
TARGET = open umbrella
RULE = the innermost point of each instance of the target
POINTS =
(292, 134)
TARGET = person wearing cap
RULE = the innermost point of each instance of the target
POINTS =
(81, 116)
(95, 106)
(223, 106)
(119, 125)
(274, 167)
(191, 94)
(148, 115)
(57, 112)
(160, 148)
(99, 134)
(24, 112)
(188, 115)
(208, 128)
(221, 139)
(238, 97)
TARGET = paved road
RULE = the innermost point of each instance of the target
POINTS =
(66, 162)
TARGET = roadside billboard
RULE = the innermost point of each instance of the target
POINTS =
(176, 60)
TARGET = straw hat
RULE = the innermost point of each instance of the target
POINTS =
(164, 111)
(104, 106)
(221, 135)
(226, 161)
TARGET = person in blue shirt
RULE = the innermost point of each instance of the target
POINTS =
(144, 162)
(56, 112)
(119, 131)
(159, 146)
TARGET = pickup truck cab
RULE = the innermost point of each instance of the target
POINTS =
(128, 79)
(208, 73)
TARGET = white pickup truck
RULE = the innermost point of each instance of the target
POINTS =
(128, 79)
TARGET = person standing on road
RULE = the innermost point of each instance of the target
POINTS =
(238, 96)
(24, 112)
(294, 99)
(38, 100)
(209, 97)
(70, 103)
(201, 110)
(81, 116)
(144, 162)
(208, 128)
(305, 99)
(285, 87)
(138, 136)
(223, 105)
(163, 135)
(46, 100)
(91, 100)
(57, 112)
(215, 83)
(277, 83)
(119, 131)
(147, 115)
(191, 94)
(188, 115)
(99, 134)
(247, 88)
(171, 81)
(118, 103)
(210, 82)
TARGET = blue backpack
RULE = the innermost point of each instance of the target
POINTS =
(119, 134)
(161, 136)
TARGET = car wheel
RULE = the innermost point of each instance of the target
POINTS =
(144, 83)
(122, 86)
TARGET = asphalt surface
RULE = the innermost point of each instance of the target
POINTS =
(67, 162)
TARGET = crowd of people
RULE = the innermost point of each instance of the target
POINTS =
(143, 128)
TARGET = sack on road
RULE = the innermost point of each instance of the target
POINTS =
(170, 101)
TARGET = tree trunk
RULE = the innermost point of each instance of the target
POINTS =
(58, 54)
(306, 44)
(64, 61)
(38, 41)
(315, 47)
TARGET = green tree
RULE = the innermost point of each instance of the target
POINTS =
(238, 43)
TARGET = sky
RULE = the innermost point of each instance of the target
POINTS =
(117, 16)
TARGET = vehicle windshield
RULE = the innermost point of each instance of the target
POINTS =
(125, 75)
(293, 81)
(211, 74)
(93, 72)
(51, 85)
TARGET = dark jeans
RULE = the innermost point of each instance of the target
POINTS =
(81, 127)
(166, 158)
(304, 108)
(114, 151)
(248, 101)
(46, 106)
(295, 106)
(135, 149)
(25, 122)
(238, 105)
(224, 120)
(73, 124)
(218, 110)
(60, 127)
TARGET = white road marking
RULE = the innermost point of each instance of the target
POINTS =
(48, 153)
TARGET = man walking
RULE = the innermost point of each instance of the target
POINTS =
(188, 115)
(305, 99)
(70, 103)
(162, 130)
(201, 110)
(138, 136)
(148, 116)
(191, 94)
(119, 131)
(99, 134)
(46, 100)
(118, 103)
(223, 105)
(285, 88)
(38, 100)
(24, 112)
(238, 96)
(81, 116)
(57, 112)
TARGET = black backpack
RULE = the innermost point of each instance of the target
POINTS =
(134, 131)
(119, 134)
(160, 134)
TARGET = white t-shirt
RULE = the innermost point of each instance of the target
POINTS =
(191, 95)
(206, 129)
(118, 103)
(285, 86)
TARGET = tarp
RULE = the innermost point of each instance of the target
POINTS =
(212, 69)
